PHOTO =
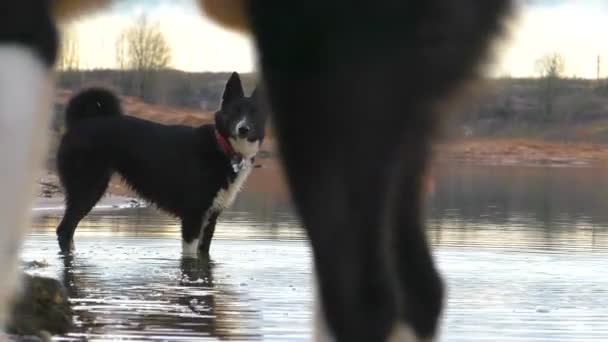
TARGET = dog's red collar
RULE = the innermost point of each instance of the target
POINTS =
(236, 159)
(224, 144)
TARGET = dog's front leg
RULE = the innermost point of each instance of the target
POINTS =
(28, 46)
(207, 234)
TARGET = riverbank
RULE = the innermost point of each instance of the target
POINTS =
(269, 178)
(523, 152)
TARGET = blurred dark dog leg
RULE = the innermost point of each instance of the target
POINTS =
(355, 89)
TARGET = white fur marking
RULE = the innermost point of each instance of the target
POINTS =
(190, 249)
(225, 197)
(404, 333)
(239, 125)
(246, 148)
(25, 107)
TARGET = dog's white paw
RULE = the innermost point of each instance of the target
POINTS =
(190, 249)
(400, 333)
(403, 333)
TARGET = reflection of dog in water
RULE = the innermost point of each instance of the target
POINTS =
(198, 273)
(356, 89)
(197, 306)
(220, 308)
(192, 173)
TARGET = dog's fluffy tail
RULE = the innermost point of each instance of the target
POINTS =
(92, 102)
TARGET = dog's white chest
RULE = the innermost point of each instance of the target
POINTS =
(225, 197)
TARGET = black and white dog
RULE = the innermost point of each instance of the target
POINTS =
(192, 173)
(356, 88)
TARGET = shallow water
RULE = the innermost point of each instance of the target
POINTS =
(523, 250)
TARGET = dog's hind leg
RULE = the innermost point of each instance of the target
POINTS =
(192, 223)
(446, 56)
(84, 186)
(420, 286)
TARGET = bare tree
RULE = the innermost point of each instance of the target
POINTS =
(121, 59)
(68, 58)
(143, 48)
(121, 51)
(551, 65)
(147, 47)
(550, 68)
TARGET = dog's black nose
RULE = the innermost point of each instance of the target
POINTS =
(244, 130)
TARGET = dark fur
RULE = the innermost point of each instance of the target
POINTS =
(370, 75)
(178, 168)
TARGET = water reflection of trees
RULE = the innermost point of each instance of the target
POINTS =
(528, 206)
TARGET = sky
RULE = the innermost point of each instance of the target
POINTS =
(577, 29)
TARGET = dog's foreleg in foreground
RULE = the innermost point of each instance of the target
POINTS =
(25, 104)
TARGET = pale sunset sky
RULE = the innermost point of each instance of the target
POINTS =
(577, 29)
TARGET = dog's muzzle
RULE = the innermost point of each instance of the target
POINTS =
(243, 131)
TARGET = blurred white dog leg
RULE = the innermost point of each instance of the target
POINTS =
(25, 105)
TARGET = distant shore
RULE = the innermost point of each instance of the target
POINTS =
(483, 152)
(523, 152)
(514, 151)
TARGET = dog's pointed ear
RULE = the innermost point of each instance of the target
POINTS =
(234, 89)
(254, 94)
